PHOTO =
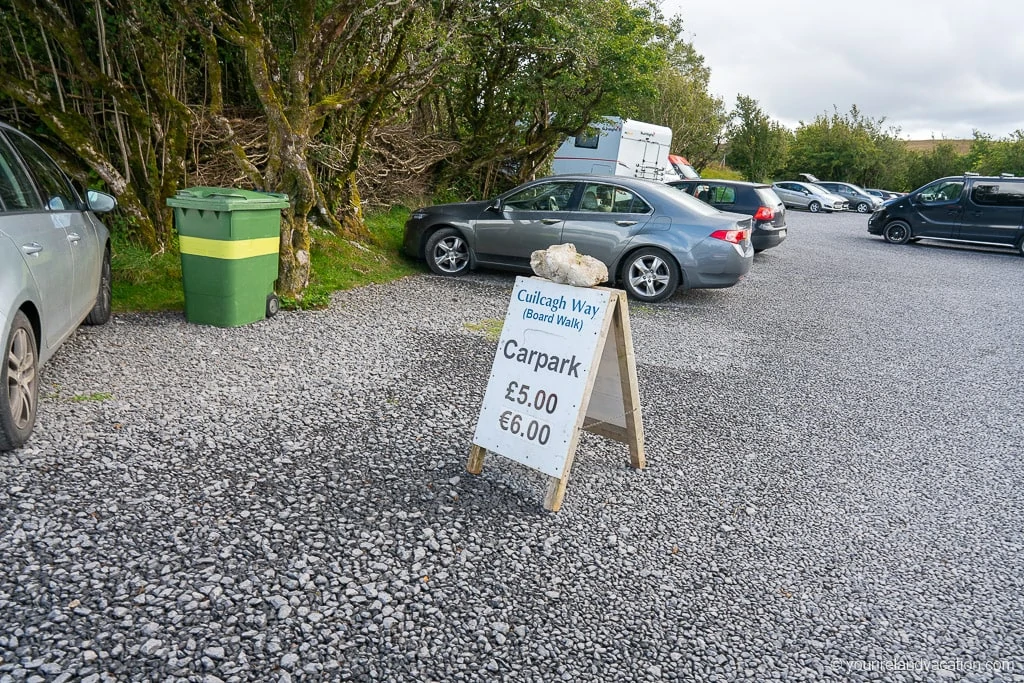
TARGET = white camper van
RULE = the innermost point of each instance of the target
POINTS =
(617, 147)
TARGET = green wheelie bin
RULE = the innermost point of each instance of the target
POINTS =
(229, 243)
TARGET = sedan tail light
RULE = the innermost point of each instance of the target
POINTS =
(764, 214)
(734, 236)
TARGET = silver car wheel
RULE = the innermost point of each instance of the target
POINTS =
(21, 379)
(649, 275)
(814, 207)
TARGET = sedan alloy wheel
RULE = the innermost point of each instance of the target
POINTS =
(20, 385)
(650, 276)
(448, 252)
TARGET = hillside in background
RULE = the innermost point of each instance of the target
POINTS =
(962, 146)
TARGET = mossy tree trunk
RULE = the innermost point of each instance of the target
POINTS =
(113, 103)
(346, 60)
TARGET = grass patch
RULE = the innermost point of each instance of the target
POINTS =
(490, 328)
(720, 172)
(340, 263)
(142, 281)
(640, 309)
(152, 282)
(95, 396)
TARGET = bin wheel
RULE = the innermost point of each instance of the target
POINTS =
(273, 305)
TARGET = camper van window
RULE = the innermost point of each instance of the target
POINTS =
(587, 141)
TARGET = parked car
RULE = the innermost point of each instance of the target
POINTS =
(54, 273)
(884, 195)
(800, 195)
(753, 199)
(652, 237)
(859, 200)
(977, 209)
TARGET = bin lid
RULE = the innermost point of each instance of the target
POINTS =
(227, 199)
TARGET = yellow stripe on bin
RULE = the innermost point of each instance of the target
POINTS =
(228, 249)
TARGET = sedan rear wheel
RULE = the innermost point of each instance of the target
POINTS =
(650, 275)
(896, 232)
(19, 384)
(447, 252)
(100, 312)
(814, 207)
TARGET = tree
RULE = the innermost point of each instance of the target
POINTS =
(992, 157)
(851, 148)
(554, 66)
(942, 160)
(684, 104)
(757, 145)
(311, 63)
(112, 109)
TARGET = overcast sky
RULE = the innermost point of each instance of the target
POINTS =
(940, 68)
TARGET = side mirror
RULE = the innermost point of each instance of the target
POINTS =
(496, 206)
(100, 202)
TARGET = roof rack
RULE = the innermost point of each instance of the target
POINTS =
(971, 173)
(1007, 175)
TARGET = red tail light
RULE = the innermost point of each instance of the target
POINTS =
(764, 214)
(734, 236)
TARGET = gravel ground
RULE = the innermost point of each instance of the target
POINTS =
(833, 492)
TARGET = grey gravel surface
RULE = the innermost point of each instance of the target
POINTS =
(834, 490)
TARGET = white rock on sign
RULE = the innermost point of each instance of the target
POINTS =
(561, 263)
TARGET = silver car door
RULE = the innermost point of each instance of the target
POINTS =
(64, 207)
(43, 244)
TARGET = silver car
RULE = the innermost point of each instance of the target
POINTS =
(652, 237)
(800, 195)
(54, 273)
(859, 200)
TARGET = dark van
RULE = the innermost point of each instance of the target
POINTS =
(968, 208)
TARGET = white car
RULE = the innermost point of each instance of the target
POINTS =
(54, 273)
(800, 195)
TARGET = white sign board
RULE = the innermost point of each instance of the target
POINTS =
(547, 349)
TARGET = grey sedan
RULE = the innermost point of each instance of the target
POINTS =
(54, 273)
(652, 237)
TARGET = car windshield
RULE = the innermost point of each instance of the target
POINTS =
(818, 190)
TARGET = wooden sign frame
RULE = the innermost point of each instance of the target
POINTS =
(611, 399)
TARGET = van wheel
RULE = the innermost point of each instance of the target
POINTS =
(896, 232)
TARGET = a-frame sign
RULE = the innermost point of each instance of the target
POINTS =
(564, 363)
